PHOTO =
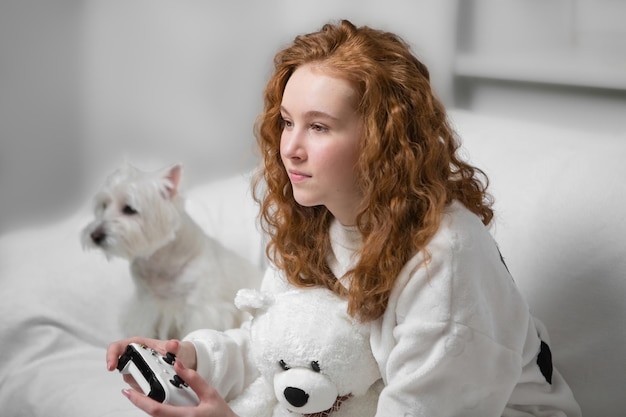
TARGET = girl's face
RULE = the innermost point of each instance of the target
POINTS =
(319, 144)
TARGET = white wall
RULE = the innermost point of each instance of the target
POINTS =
(85, 83)
(158, 81)
(40, 122)
(557, 62)
(183, 79)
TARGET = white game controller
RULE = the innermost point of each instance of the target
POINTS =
(155, 375)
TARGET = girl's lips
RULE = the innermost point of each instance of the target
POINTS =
(296, 176)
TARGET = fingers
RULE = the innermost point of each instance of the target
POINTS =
(150, 406)
(116, 349)
(172, 346)
(185, 352)
(211, 403)
(132, 382)
(157, 409)
(202, 389)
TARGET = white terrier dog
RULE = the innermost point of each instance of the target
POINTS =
(184, 280)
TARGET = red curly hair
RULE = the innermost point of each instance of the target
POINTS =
(408, 169)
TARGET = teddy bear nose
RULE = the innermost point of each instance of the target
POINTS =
(296, 396)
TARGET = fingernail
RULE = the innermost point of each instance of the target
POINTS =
(126, 393)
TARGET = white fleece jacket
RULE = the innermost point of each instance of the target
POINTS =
(456, 339)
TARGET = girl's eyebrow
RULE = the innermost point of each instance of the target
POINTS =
(312, 113)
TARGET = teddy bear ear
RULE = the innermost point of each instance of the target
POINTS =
(253, 301)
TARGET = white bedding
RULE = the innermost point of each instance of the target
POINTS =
(561, 225)
(60, 307)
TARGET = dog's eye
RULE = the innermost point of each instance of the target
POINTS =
(129, 210)
(283, 365)
(315, 366)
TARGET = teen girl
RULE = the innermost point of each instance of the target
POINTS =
(362, 191)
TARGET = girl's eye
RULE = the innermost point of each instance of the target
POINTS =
(318, 128)
(283, 365)
(128, 210)
(285, 123)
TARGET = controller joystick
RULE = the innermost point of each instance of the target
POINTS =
(155, 375)
(169, 358)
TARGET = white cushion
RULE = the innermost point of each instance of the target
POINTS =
(561, 225)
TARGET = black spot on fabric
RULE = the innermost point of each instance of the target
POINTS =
(544, 360)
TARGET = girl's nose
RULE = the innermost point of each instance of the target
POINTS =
(292, 144)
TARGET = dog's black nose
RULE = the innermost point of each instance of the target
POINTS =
(296, 396)
(98, 236)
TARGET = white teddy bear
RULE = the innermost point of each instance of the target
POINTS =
(314, 359)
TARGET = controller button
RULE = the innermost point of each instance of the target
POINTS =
(178, 382)
(169, 358)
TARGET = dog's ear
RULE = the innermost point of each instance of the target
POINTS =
(172, 179)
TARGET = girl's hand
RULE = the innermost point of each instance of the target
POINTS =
(185, 353)
(211, 403)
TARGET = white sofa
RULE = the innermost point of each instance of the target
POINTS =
(561, 225)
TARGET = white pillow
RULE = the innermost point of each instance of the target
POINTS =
(561, 225)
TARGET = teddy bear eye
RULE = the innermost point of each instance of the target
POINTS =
(315, 366)
(283, 365)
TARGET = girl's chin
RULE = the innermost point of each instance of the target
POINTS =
(305, 201)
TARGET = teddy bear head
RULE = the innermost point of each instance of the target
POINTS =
(308, 348)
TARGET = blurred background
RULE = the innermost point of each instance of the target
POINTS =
(87, 84)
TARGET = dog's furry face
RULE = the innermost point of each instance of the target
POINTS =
(136, 213)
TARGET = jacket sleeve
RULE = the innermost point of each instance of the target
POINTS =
(461, 373)
(451, 341)
(223, 358)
